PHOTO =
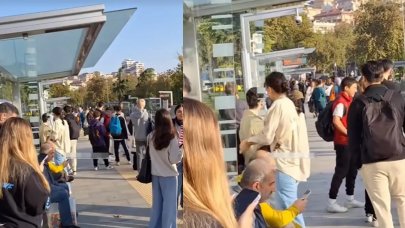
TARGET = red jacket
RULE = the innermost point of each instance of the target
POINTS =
(346, 100)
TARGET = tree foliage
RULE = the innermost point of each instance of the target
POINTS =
(120, 87)
(98, 90)
(59, 90)
(284, 33)
(332, 47)
(378, 31)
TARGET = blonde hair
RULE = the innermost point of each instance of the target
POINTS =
(206, 189)
(18, 157)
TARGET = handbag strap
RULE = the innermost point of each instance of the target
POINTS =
(147, 156)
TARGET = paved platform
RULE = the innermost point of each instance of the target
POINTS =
(112, 198)
(322, 169)
(105, 198)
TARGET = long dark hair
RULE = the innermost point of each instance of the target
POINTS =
(164, 129)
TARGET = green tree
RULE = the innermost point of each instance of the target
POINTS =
(284, 33)
(120, 87)
(332, 47)
(78, 97)
(176, 84)
(378, 31)
(96, 90)
(145, 87)
(59, 90)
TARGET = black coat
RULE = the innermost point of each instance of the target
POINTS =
(355, 123)
(23, 203)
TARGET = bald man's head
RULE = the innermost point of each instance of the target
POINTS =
(259, 176)
(48, 148)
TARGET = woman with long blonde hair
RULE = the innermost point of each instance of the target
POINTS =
(24, 190)
(207, 199)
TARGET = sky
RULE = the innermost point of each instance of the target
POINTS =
(153, 35)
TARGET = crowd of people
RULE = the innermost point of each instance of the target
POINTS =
(33, 180)
(367, 114)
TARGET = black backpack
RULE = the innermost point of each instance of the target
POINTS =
(324, 124)
(382, 128)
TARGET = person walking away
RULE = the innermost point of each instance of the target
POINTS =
(25, 191)
(164, 154)
(139, 118)
(74, 134)
(319, 98)
(346, 167)
(380, 153)
(98, 138)
(178, 124)
(308, 96)
(119, 132)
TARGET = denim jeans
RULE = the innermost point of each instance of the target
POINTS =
(164, 205)
(286, 194)
(60, 195)
(180, 185)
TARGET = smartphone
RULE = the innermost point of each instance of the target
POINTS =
(243, 200)
(44, 160)
(306, 194)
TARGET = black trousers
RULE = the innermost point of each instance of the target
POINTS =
(345, 168)
(369, 206)
(116, 147)
(106, 162)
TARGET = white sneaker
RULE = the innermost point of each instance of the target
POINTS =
(117, 164)
(109, 167)
(336, 208)
(95, 168)
(129, 163)
(354, 204)
(369, 218)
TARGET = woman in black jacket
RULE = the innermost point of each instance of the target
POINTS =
(24, 191)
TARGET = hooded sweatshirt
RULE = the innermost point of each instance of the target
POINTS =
(139, 120)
